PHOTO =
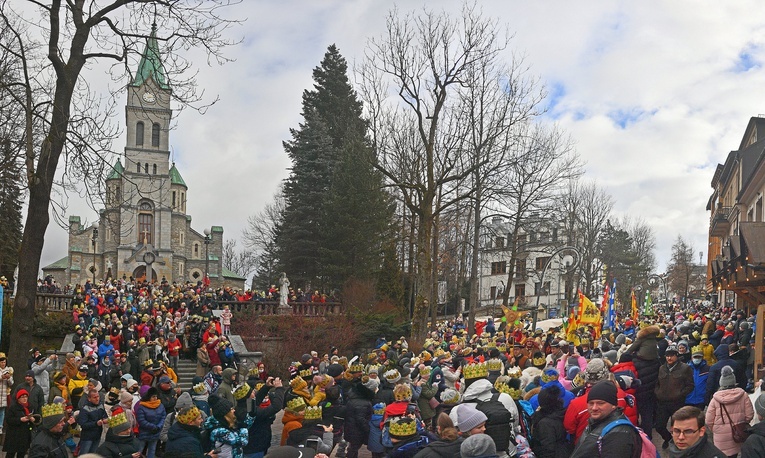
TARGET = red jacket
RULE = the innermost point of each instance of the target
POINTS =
(577, 415)
(623, 367)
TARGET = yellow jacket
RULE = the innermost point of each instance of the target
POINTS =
(709, 355)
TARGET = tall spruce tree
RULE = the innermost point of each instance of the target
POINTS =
(336, 211)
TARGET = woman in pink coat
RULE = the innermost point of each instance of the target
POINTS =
(738, 406)
(564, 364)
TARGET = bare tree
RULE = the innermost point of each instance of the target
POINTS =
(74, 119)
(410, 81)
(544, 163)
(242, 262)
(260, 237)
(680, 267)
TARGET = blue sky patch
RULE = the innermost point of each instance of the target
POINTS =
(628, 116)
(746, 61)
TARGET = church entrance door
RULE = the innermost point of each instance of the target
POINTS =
(139, 274)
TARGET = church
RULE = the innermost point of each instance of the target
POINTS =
(143, 231)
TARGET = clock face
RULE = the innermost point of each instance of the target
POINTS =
(149, 97)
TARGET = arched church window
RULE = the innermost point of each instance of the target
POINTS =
(155, 134)
(154, 169)
(139, 133)
(196, 251)
(146, 168)
(138, 167)
(145, 223)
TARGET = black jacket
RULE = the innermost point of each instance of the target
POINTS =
(648, 373)
(183, 441)
(358, 411)
(549, 435)
(441, 449)
(47, 445)
(713, 381)
(754, 447)
(260, 431)
(118, 446)
(622, 441)
(704, 448)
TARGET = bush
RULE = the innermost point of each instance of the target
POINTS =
(52, 324)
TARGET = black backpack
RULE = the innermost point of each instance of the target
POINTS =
(498, 423)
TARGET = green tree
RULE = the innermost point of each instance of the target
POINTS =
(336, 212)
(10, 209)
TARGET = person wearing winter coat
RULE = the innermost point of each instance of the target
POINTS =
(19, 424)
(358, 412)
(226, 387)
(547, 431)
(723, 359)
(184, 401)
(700, 369)
(268, 401)
(708, 350)
(48, 440)
(754, 446)
(407, 441)
(42, 376)
(374, 441)
(728, 401)
(674, 384)
(312, 431)
(645, 353)
(690, 439)
(479, 394)
(184, 437)
(565, 364)
(150, 415)
(448, 443)
(91, 419)
(225, 434)
(120, 441)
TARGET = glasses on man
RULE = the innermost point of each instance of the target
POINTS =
(684, 432)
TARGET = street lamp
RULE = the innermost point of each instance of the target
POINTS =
(93, 241)
(208, 239)
(653, 281)
(570, 257)
(497, 292)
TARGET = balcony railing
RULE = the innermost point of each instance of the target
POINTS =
(719, 225)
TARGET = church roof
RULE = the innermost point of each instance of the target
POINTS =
(62, 263)
(175, 177)
(150, 66)
(116, 171)
(230, 274)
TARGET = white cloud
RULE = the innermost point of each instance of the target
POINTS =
(683, 76)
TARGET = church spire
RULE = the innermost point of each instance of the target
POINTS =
(150, 66)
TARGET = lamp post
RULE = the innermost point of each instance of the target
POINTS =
(208, 239)
(93, 241)
(570, 257)
(497, 293)
(653, 281)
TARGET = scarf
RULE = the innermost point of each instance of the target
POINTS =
(26, 409)
(151, 404)
(64, 391)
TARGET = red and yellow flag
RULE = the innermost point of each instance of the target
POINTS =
(634, 307)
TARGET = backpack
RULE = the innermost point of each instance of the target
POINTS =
(648, 449)
(498, 422)
(525, 411)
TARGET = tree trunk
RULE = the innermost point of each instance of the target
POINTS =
(434, 275)
(424, 267)
(474, 286)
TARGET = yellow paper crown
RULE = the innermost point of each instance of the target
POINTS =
(494, 365)
(200, 388)
(356, 368)
(52, 409)
(241, 391)
(475, 370)
(296, 404)
(515, 394)
(253, 371)
(502, 348)
(116, 420)
(402, 393)
(514, 372)
(380, 410)
(425, 371)
(312, 413)
(305, 373)
(538, 361)
(439, 352)
(187, 415)
(697, 349)
(402, 427)
(259, 385)
(392, 375)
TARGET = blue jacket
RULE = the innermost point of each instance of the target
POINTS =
(105, 350)
(374, 443)
(150, 421)
(566, 395)
(88, 420)
(700, 375)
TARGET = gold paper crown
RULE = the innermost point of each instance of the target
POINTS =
(475, 370)
(188, 415)
(392, 375)
(538, 361)
(373, 368)
(467, 351)
(450, 397)
(116, 420)
(148, 362)
(298, 383)
(380, 410)
(200, 388)
(343, 361)
(253, 371)
(439, 352)
(371, 357)
(52, 409)
(356, 368)
(305, 373)
(312, 413)
(402, 427)
(697, 349)
(494, 365)
(402, 393)
(296, 404)
(241, 391)
(514, 372)
(515, 394)
(502, 348)
(426, 356)
(549, 377)
(425, 371)
(259, 385)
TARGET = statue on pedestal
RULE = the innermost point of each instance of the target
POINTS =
(284, 290)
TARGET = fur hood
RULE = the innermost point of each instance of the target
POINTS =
(648, 331)
(531, 393)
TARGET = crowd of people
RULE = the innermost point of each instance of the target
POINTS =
(684, 374)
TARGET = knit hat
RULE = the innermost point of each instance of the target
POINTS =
(370, 383)
(572, 372)
(184, 400)
(451, 397)
(603, 391)
(125, 396)
(468, 417)
(131, 383)
(188, 415)
(118, 422)
(759, 405)
(220, 407)
(334, 370)
(727, 378)
(21, 392)
(478, 445)
(596, 371)
(51, 415)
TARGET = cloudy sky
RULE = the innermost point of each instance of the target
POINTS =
(654, 94)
